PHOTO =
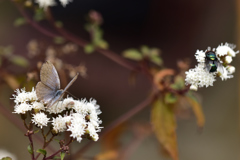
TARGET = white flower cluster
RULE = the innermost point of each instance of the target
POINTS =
(200, 76)
(80, 118)
(49, 3)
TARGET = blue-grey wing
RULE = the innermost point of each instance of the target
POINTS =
(44, 93)
(56, 98)
(49, 76)
(70, 83)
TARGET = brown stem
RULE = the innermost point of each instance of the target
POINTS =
(118, 121)
(29, 134)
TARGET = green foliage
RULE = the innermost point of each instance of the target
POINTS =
(7, 53)
(59, 24)
(170, 98)
(6, 158)
(133, 54)
(42, 151)
(150, 54)
(19, 60)
(39, 14)
(58, 40)
(62, 155)
(29, 148)
(19, 22)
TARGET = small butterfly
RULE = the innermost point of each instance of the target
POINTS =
(48, 89)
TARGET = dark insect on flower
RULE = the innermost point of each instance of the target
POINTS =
(212, 63)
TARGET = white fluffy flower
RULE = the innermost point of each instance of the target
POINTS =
(230, 69)
(40, 119)
(200, 56)
(45, 3)
(38, 105)
(59, 123)
(22, 108)
(228, 59)
(77, 127)
(23, 96)
(226, 49)
(65, 2)
(198, 76)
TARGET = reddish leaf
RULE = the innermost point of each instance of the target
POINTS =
(164, 126)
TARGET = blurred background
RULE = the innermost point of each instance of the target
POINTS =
(178, 28)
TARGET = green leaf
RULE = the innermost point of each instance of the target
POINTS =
(62, 155)
(170, 98)
(6, 158)
(145, 50)
(19, 22)
(56, 157)
(164, 126)
(179, 83)
(59, 24)
(154, 52)
(156, 60)
(19, 60)
(37, 131)
(89, 48)
(59, 40)
(6, 51)
(133, 54)
(102, 44)
(29, 148)
(39, 14)
(42, 151)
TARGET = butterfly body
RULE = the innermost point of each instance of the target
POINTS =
(48, 89)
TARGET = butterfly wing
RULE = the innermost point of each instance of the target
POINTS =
(49, 76)
(70, 83)
(44, 93)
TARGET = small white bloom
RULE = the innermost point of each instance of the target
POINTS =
(228, 59)
(77, 127)
(45, 3)
(194, 87)
(40, 119)
(200, 56)
(59, 123)
(226, 49)
(65, 2)
(230, 69)
(223, 74)
(58, 107)
(22, 108)
(198, 76)
(38, 105)
(23, 96)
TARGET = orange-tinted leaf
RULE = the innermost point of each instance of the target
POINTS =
(159, 76)
(164, 126)
(110, 140)
(108, 155)
(197, 109)
(11, 81)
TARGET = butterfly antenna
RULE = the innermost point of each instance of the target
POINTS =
(72, 95)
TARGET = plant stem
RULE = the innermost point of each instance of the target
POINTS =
(31, 143)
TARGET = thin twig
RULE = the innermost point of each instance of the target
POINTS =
(29, 134)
